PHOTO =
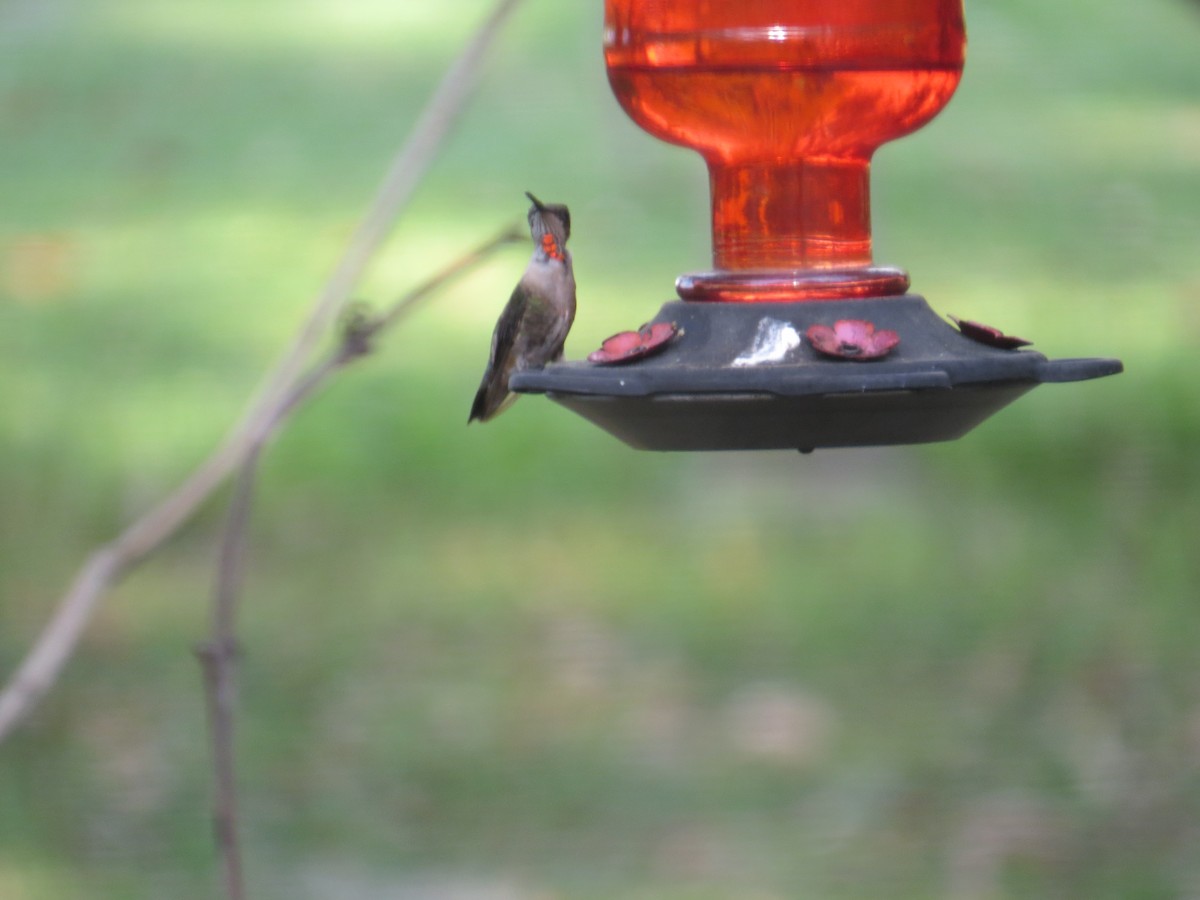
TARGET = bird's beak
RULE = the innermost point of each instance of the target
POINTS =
(541, 207)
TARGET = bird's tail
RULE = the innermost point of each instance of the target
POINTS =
(490, 400)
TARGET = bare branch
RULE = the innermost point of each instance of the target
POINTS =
(356, 342)
(218, 658)
(219, 655)
(42, 665)
(402, 178)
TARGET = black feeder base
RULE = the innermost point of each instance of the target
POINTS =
(741, 376)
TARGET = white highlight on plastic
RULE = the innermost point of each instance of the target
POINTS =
(772, 342)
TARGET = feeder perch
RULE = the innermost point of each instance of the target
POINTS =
(795, 338)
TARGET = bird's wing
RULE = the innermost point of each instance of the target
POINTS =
(508, 326)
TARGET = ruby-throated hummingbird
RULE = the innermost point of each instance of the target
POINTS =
(534, 324)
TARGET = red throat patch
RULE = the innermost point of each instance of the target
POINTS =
(550, 246)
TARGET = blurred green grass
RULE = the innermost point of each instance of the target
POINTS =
(521, 660)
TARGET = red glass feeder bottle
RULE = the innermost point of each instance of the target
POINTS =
(787, 100)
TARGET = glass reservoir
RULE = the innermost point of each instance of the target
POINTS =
(786, 100)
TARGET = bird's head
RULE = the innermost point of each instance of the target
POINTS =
(550, 225)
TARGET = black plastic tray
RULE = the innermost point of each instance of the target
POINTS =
(936, 385)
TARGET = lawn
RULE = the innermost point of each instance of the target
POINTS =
(522, 661)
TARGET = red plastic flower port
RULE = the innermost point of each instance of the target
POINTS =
(630, 345)
(986, 334)
(852, 339)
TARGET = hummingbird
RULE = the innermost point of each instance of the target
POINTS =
(534, 325)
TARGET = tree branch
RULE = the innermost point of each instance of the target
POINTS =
(218, 658)
(55, 645)
(219, 655)
(402, 177)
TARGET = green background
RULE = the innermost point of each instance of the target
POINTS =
(522, 660)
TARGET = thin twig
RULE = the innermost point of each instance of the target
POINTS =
(403, 175)
(219, 655)
(218, 658)
(356, 341)
(41, 666)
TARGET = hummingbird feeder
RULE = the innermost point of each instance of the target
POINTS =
(795, 338)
